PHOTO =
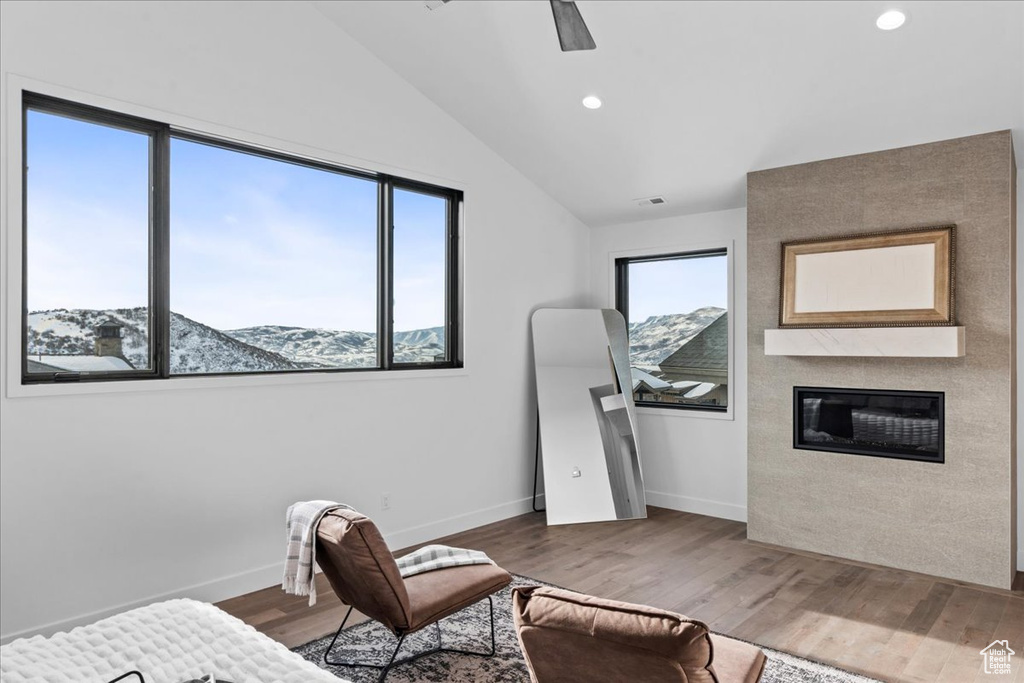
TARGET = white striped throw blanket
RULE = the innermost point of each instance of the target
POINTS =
(300, 559)
(431, 557)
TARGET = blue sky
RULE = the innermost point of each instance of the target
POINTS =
(677, 286)
(88, 214)
(253, 241)
(419, 260)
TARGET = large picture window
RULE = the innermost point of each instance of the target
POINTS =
(676, 311)
(153, 253)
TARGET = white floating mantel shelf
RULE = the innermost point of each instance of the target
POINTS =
(906, 342)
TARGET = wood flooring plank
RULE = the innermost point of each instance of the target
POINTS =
(848, 626)
(763, 590)
(928, 610)
(878, 645)
(965, 663)
(1011, 628)
(939, 643)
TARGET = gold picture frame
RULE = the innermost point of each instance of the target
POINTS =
(896, 278)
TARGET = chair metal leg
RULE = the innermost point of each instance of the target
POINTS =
(490, 602)
(392, 662)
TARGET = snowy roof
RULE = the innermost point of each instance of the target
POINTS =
(84, 363)
(700, 390)
(36, 366)
(650, 380)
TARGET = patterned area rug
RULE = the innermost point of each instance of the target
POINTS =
(469, 630)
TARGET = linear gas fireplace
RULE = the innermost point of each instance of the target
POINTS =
(886, 424)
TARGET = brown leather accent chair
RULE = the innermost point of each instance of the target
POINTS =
(568, 637)
(363, 573)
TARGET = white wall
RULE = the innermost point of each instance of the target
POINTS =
(109, 500)
(692, 462)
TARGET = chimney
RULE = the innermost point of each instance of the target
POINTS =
(108, 339)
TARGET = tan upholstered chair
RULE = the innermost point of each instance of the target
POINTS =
(567, 637)
(363, 573)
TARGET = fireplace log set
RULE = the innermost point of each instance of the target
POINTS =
(892, 424)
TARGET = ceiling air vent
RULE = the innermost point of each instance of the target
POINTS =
(647, 201)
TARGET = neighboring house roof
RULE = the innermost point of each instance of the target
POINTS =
(36, 366)
(80, 363)
(700, 390)
(708, 350)
(652, 382)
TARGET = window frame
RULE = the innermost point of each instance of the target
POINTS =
(161, 135)
(620, 293)
(452, 304)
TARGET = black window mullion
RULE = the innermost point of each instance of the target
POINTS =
(452, 300)
(449, 247)
(160, 272)
(385, 274)
(24, 241)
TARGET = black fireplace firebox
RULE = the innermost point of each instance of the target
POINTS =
(886, 424)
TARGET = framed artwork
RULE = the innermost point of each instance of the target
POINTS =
(883, 279)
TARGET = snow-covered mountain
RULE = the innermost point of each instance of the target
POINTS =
(654, 339)
(428, 336)
(340, 348)
(194, 347)
(419, 346)
(326, 348)
(198, 348)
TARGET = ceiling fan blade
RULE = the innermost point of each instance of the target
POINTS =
(572, 31)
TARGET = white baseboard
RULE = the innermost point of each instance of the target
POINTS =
(257, 579)
(211, 591)
(453, 525)
(700, 506)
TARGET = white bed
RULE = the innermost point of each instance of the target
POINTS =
(168, 642)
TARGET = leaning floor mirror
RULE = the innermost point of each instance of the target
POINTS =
(588, 428)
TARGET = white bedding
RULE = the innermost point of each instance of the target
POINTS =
(169, 642)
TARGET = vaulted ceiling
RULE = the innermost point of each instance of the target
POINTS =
(696, 94)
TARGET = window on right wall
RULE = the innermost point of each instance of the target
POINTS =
(676, 311)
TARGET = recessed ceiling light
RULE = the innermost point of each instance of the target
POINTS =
(592, 102)
(891, 20)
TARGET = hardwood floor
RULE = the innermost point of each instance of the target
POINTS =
(884, 623)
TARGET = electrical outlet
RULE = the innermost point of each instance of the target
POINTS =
(385, 501)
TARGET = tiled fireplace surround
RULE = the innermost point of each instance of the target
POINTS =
(955, 519)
